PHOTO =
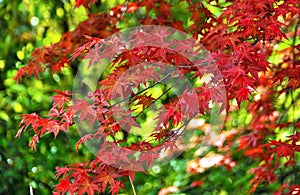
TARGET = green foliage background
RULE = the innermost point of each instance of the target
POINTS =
(24, 26)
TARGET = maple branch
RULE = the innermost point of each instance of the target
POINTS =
(177, 132)
(157, 98)
(159, 81)
(164, 78)
(196, 65)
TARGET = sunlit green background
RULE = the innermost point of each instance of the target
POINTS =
(24, 26)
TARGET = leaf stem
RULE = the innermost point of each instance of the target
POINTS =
(132, 185)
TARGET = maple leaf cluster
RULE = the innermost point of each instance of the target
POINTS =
(240, 43)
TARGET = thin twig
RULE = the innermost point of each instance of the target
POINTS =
(165, 77)
(132, 185)
(158, 98)
(196, 65)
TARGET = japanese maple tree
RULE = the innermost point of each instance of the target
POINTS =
(230, 55)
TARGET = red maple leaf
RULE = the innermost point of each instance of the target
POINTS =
(143, 100)
(64, 186)
(83, 139)
(61, 97)
(61, 171)
(28, 119)
(88, 187)
(243, 94)
(33, 142)
(282, 149)
(107, 178)
(85, 3)
(86, 110)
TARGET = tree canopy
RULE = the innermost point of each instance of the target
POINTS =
(155, 97)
